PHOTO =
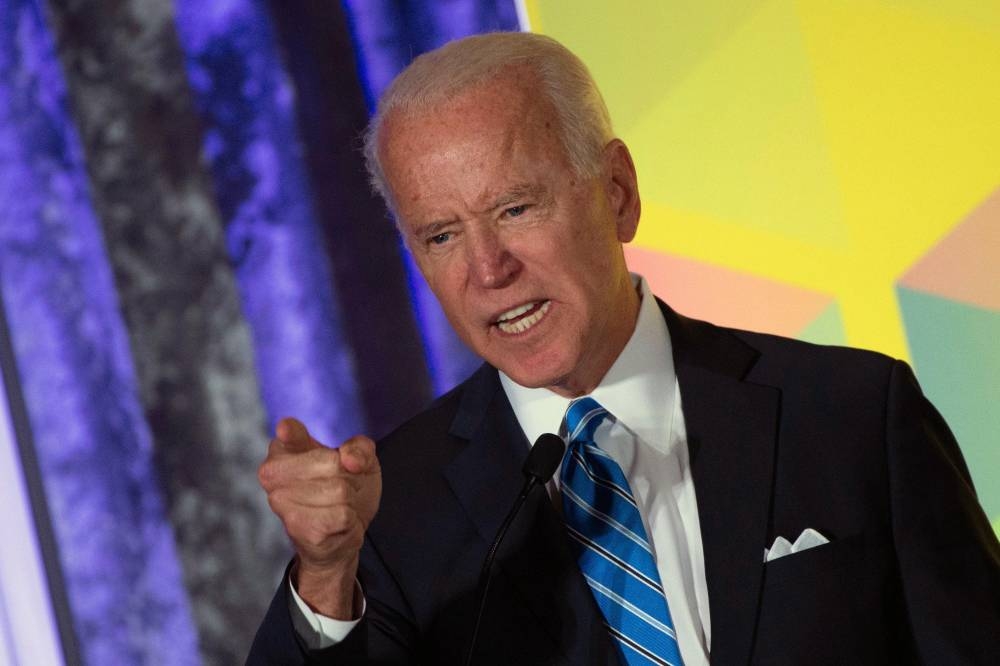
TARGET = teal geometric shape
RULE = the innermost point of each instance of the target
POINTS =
(956, 355)
(826, 329)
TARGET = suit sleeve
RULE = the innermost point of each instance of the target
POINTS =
(278, 644)
(384, 635)
(949, 558)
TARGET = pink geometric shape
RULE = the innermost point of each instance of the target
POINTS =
(727, 297)
(965, 265)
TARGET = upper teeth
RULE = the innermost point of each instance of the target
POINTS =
(522, 325)
(516, 312)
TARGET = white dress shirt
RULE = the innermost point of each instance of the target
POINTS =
(646, 437)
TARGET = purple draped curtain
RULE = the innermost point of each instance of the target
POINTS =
(188, 252)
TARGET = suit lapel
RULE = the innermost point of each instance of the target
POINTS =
(486, 475)
(535, 557)
(732, 433)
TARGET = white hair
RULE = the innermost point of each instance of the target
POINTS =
(439, 75)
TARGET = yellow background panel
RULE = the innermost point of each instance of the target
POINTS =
(828, 145)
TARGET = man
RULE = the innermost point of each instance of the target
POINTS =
(497, 157)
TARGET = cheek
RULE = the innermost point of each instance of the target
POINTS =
(439, 274)
(447, 287)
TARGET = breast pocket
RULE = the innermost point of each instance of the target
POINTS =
(821, 561)
(822, 605)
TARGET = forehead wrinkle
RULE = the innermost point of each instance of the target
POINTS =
(486, 129)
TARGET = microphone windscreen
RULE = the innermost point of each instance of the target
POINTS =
(544, 458)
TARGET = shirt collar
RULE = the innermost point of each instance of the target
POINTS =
(641, 376)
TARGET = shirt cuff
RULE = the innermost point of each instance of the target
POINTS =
(319, 631)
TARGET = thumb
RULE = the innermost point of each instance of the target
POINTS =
(294, 436)
(357, 455)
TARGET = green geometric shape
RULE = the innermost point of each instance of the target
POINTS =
(996, 526)
(826, 329)
(957, 358)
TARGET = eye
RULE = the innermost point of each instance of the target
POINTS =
(515, 211)
(440, 239)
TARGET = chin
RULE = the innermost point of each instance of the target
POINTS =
(530, 381)
(535, 375)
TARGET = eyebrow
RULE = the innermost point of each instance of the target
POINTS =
(432, 229)
(508, 197)
(516, 193)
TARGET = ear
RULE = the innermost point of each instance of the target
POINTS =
(622, 188)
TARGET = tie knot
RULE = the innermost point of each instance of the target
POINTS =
(582, 418)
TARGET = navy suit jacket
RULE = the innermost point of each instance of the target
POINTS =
(783, 436)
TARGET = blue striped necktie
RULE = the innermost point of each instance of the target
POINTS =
(612, 549)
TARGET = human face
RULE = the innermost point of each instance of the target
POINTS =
(523, 254)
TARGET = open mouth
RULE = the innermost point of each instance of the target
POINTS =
(523, 317)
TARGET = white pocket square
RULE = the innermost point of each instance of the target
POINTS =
(809, 538)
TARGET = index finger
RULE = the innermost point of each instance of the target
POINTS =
(294, 436)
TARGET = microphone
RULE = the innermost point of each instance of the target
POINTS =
(539, 466)
(543, 460)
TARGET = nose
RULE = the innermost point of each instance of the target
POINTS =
(491, 263)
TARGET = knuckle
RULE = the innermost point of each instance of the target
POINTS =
(360, 441)
(277, 500)
(340, 492)
(345, 516)
(360, 444)
(306, 530)
(265, 475)
(326, 463)
(291, 520)
(367, 448)
(275, 505)
(315, 537)
(354, 540)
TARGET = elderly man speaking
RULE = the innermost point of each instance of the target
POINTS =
(726, 496)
